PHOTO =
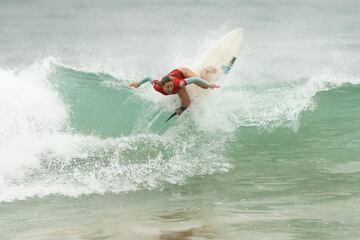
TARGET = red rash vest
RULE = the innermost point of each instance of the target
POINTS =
(177, 77)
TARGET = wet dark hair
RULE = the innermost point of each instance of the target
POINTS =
(165, 80)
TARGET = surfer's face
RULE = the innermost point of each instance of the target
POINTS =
(168, 87)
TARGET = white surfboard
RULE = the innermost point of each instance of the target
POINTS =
(222, 56)
(218, 61)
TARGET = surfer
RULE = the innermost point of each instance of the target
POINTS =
(175, 83)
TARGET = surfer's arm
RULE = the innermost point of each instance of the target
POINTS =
(185, 101)
(201, 82)
(141, 82)
(147, 79)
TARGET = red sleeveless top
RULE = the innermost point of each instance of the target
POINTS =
(177, 77)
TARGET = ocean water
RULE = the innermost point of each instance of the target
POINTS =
(273, 154)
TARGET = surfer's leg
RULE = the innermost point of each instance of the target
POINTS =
(184, 97)
(187, 72)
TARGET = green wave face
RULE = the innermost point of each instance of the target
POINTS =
(98, 104)
(102, 105)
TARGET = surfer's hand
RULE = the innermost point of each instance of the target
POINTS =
(178, 111)
(212, 86)
(134, 85)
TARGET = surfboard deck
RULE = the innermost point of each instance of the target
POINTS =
(222, 55)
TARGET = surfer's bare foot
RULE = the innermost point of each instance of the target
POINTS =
(211, 70)
(213, 86)
(204, 74)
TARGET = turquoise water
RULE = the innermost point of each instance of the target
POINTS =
(273, 154)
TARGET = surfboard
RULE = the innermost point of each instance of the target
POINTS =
(221, 56)
(217, 62)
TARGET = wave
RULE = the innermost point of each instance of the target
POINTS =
(70, 132)
(104, 105)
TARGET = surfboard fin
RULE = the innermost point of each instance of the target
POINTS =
(172, 115)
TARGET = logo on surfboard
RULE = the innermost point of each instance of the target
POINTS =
(226, 68)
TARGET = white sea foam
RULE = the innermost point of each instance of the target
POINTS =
(40, 155)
